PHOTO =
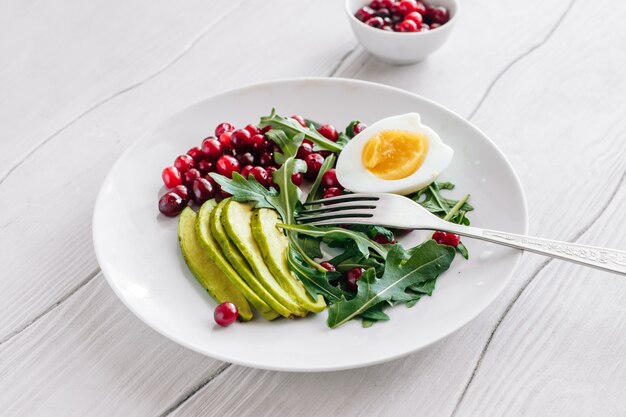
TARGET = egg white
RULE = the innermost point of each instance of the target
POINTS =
(353, 175)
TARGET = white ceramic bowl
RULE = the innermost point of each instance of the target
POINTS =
(397, 47)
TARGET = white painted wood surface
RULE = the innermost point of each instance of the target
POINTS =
(81, 80)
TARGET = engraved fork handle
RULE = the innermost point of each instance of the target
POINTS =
(602, 258)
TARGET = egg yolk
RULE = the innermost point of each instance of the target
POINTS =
(394, 154)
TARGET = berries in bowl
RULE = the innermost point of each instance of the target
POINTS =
(402, 31)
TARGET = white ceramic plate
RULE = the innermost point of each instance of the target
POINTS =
(137, 247)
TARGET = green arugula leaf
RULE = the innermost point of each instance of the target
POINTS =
(338, 234)
(311, 246)
(349, 132)
(316, 192)
(462, 250)
(289, 146)
(427, 262)
(292, 128)
(315, 281)
(244, 190)
(372, 231)
(376, 313)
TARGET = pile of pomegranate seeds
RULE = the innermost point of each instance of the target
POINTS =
(402, 15)
(247, 151)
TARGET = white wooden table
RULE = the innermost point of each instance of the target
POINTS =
(80, 81)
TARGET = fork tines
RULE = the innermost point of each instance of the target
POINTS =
(349, 208)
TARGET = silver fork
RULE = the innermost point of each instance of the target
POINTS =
(395, 211)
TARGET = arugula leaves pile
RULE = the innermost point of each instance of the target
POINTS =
(392, 274)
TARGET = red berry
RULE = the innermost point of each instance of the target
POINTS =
(205, 166)
(314, 162)
(183, 162)
(407, 26)
(212, 148)
(225, 140)
(258, 143)
(387, 3)
(171, 204)
(202, 190)
(182, 191)
(328, 266)
(266, 129)
(171, 177)
(376, 4)
(329, 179)
(353, 276)
(333, 192)
(304, 150)
(223, 127)
(270, 175)
(260, 175)
(221, 194)
(437, 14)
(245, 171)
(363, 14)
(445, 238)
(383, 13)
(420, 8)
(375, 22)
(190, 176)
(266, 159)
(407, 6)
(329, 131)
(358, 128)
(239, 138)
(196, 153)
(297, 178)
(225, 314)
(299, 119)
(245, 158)
(382, 239)
(226, 165)
(252, 129)
(416, 17)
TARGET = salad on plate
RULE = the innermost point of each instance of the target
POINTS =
(237, 197)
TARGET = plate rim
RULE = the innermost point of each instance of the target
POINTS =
(233, 360)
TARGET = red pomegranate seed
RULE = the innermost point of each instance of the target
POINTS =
(245, 171)
(171, 204)
(260, 175)
(245, 158)
(205, 166)
(329, 131)
(437, 14)
(223, 127)
(329, 179)
(266, 159)
(420, 8)
(407, 6)
(328, 266)
(314, 162)
(416, 17)
(407, 26)
(202, 191)
(226, 165)
(363, 14)
(299, 119)
(297, 178)
(382, 239)
(333, 192)
(182, 191)
(445, 238)
(376, 4)
(171, 177)
(383, 13)
(196, 153)
(266, 129)
(375, 22)
(387, 3)
(225, 140)
(258, 143)
(358, 128)
(225, 314)
(252, 129)
(212, 148)
(190, 176)
(239, 138)
(270, 175)
(304, 150)
(352, 277)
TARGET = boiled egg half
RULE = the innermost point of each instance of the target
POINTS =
(397, 155)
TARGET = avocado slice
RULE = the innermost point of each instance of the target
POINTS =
(236, 219)
(274, 245)
(204, 269)
(212, 248)
(239, 263)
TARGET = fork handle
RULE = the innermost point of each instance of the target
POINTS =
(611, 260)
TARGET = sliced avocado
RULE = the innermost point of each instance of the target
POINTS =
(212, 248)
(274, 245)
(204, 269)
(236, 218)
(239, 263)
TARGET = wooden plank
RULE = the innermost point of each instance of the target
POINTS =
(92, 356)
(53, 221)
(560, 349)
